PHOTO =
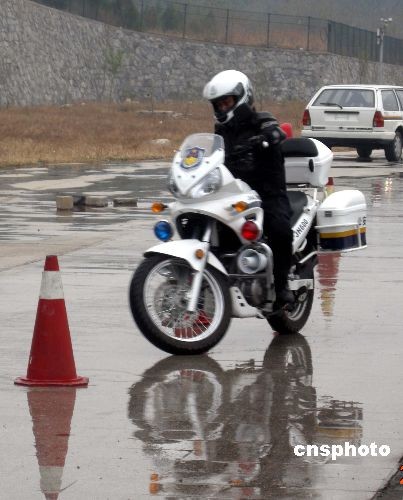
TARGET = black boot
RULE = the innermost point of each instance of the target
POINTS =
(284, 297)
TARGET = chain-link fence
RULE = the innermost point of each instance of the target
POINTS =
(229, 26)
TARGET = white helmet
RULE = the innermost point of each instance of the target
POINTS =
(226, 83)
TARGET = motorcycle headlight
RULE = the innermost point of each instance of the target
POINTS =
(208, 185)
(172, 186)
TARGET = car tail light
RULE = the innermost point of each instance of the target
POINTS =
(306, 119)
(378, 119)
(250, 231)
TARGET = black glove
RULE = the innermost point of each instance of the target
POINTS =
(242, 150)
(250, 145)
(272, 133)
(257, 140)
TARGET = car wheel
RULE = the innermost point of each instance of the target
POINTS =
(364, 151)
(393, 151)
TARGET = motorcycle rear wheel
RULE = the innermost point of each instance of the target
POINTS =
(158, 300)
(288, 322)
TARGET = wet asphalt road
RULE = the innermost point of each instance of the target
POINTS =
(216, 426)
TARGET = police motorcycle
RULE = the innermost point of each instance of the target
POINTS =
(185, 291)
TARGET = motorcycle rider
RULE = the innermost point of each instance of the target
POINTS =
(246, 134)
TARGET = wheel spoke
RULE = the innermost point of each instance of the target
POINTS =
(166, 295)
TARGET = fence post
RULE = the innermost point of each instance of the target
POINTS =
(268, 29)
(185, 10)
(141, 15)
(329, 34)
(308, 34)
(227, 27)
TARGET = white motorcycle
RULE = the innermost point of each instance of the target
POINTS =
(185, 292)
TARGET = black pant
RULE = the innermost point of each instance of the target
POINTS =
(277, 229)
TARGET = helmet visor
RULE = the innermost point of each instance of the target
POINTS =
(224, 103)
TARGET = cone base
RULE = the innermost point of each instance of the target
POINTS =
(76, 382)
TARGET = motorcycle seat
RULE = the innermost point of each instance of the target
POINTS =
(299, 147)
(298, 200)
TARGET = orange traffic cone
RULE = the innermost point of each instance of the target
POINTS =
(51, 361)
(51, 412)
(329, 188)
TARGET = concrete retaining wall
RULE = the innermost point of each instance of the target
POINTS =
(48, 56)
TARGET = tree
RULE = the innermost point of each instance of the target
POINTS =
(150, 18)
(128, 14)
(171, 19)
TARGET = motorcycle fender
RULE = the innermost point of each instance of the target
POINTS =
(185, 249)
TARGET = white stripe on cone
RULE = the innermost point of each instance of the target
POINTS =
(51, 479)
(51, 286)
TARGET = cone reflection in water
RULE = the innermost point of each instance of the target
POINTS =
(51, 360)
(51, 411)
(328, 270)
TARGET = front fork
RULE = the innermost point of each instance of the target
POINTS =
(194, 292)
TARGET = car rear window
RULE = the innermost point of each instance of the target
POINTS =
(389, 101)
(345, 98)
(400, 96)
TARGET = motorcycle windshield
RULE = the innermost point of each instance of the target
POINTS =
(200, 146)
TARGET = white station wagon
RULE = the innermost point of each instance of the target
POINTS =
(364, 117)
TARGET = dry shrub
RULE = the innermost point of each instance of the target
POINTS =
(290, 112)
(99, 132)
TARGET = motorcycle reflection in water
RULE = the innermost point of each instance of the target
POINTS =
(231, 434)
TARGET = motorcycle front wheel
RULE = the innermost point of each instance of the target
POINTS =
(158, 300)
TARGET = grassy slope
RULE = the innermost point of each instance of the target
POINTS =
(98, 132)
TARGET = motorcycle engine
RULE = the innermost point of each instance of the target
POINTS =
(252, 260)
(253, 291)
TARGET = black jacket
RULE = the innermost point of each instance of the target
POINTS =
(262, 168)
